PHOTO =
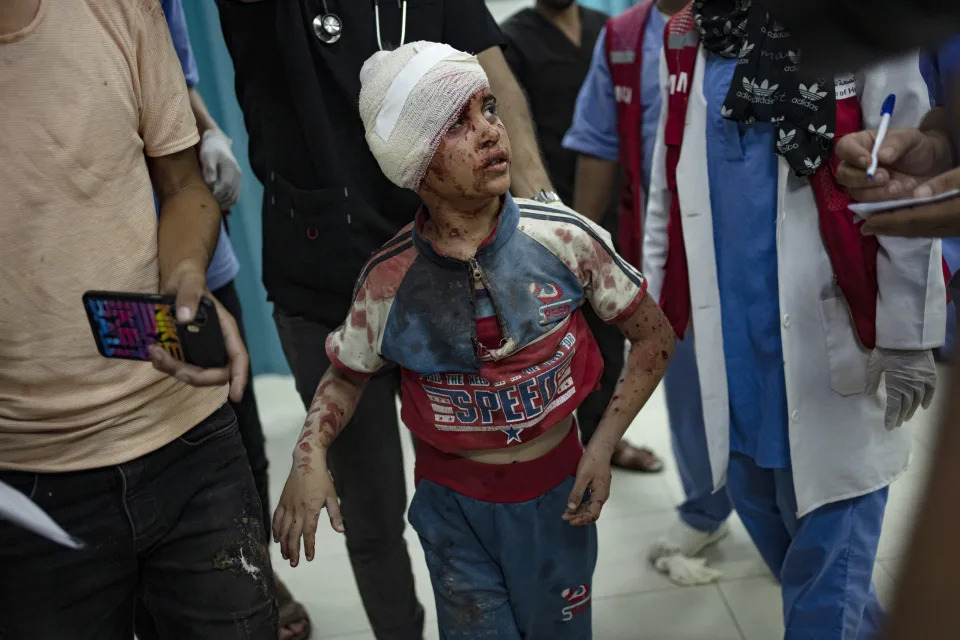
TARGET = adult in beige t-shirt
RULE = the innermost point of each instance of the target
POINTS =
(147, 470)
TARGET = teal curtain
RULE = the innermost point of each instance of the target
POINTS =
(609, 7)
(216, 87)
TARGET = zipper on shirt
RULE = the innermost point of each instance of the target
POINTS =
(476, 273)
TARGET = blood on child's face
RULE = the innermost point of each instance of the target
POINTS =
(473, 159)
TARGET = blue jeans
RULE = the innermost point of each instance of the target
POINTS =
(506, 570)
(703, 509)
(179, 529)
(824, 560)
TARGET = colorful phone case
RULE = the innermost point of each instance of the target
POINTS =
(124, 326)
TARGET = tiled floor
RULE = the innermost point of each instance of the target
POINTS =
(633, 602)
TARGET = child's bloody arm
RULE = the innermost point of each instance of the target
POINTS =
(309, 487)
(652, 342)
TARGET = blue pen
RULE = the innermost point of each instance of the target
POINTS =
(885, 113)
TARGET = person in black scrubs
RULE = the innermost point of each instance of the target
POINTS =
(549, 48)
(327, 207)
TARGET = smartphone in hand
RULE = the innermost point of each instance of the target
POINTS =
(124, 326)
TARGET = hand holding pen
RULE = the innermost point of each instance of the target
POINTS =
(905, 160)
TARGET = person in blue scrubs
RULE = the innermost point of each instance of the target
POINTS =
(838, 540)
(703, 514)
(549, 49)
(222, 174)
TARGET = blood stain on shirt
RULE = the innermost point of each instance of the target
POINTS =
(359, 318)
(565, 234)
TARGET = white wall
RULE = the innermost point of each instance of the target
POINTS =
(502, 9)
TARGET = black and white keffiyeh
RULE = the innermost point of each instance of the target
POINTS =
(767, 85)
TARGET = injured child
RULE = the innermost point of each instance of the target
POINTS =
(478, 302)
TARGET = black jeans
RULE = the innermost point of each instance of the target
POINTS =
(367, 467)
(611, 342)
(248, 416)
(178, 528)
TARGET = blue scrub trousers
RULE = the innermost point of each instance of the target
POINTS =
(824, 560)
(703, 509)
(506, 570)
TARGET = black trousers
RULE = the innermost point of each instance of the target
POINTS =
(367, 467)
(248, 417)
(178, 529)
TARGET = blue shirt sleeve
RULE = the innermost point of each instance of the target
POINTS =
(594, 130)
(177, 22)
(930, 70)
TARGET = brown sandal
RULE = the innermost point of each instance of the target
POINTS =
(631, 458)
(292, 613)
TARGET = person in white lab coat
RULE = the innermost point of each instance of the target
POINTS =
(813, 344)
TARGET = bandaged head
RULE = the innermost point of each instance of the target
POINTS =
(409, 99)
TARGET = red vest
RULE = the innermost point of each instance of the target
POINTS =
(852, 255)
(624, 48)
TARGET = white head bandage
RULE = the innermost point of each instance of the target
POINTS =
(409, 98)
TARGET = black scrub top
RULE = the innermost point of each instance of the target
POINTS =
(327, 206)
(551, 69)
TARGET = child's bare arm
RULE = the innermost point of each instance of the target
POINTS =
(652, 342)
(309, 487)
(332, 407)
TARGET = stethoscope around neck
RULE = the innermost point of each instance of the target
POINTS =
(328, 27)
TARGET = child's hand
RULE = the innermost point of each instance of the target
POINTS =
(593, 475)
(308, 490)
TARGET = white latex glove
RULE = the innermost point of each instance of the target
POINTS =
(910, 378)
(221, 171)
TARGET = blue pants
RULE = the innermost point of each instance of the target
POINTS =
(824, 560)
(703, 509)
(506, 570)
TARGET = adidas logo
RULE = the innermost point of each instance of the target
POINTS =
(822, 131)
(785, 143)
(763, 90)
(794, 56)
(812, 93)
(725, 112)
(777, 119)
(742, 27)
(813, 165)
(776, 26)
(746, 49)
